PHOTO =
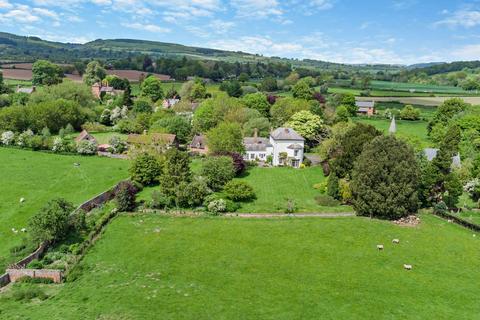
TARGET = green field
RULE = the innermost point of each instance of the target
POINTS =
(39, 177)
(416, 87)
(273, 186)
(153, 267)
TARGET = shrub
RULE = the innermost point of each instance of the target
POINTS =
(217, 206)
(159, 200)
(440, 208)
(322, 187)
(239, 191)
(409, 113)
(8, 138)
(51, 222)
(23, 139)
(333, 188)
(94, 127)
(35, 264)
(27, 279)
(146, 169)
(326, 201)
(193, 193)
(291, 206)
(87, 147)
(345, 191)
(117, 145)
(218, 171)
(60, 145)
(125, 196)
(29, 293)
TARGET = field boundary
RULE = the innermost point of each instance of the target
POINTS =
(291, 215)
(457, 220)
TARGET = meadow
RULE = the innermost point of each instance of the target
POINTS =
(154, 267)
(40, 177)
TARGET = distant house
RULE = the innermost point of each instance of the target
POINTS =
(431, 153)
(29, 90)
(365, 107)
(198, 145)
(285, 146)
(168, 103)
(157, 141)
(85, 136)
(98, 90)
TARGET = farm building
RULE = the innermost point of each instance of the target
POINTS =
(99, 89)
(285, 146)
(85, 136)
(198, 145)
(365, 107)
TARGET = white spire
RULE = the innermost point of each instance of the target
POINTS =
(393, 126)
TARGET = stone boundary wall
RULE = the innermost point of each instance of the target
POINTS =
(459, 221)
(99, 199)
(35, 255)
(4, 279)
(55, 275)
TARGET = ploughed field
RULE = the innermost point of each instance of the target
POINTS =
(39, 177)
(154, 267)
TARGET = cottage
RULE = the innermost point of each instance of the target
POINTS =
(26, 90)
(365, 107)
(285, 147)
(431, 153)
(99, 89)
(168, 103)
(85, 136)
(198, 145)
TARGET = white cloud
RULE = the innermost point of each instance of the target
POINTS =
(4, 4)
(46, 13)
(468, 52)
(146, 27)
(462, 18)
(257, 8)
(20, 14)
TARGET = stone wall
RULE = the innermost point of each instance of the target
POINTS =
(4, 279)
(35, 255)
(15, 274)
(99, 200)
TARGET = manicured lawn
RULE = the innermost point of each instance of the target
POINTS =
(153, 267)
(416, 130)
(274, 186)
(39, 177)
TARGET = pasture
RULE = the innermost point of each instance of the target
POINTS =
(154, 267)
(40, 177)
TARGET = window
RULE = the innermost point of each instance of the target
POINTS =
(252, 156)
(295, 153)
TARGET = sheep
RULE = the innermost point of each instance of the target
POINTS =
(407, 266)
(396, 241)
(380, 246)
(22, 200)
(23, 230)
(14, 230)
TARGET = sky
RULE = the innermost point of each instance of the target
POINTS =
(345, 31)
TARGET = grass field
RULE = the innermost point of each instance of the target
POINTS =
(416, 87)
(39, 177)
(274, 186)
(415, 130)
(153, 267)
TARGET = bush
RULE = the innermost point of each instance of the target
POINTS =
(35, 264)
(217, 206)
(440, 208)
(239, 191)
(125, 196)
(291, 206)
(345, 191)
(29, 293)
(146, 169)
(326, 201)
(159, 201)
(333, 188)
(27, 279)
(192, 194)
(60, 145)
(51, 222)
(94, 127)
(409, 113)
(218, 171)
(87, 147)
(117, 145)
(8, 138)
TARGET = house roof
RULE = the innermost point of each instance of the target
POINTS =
(286, 134)
(84, 135)
(256, 144)
(198, 141)
(365, 104)
(431, 153)
(363, 109)
(26, 90)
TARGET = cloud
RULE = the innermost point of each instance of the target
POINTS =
(46, 13)
(461, 18)
(468, 52)
(4, 4)
(256, 8)
(146, 27)
(20, 14)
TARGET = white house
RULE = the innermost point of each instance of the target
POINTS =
(285, 146)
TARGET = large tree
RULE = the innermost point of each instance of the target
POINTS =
(257, 101)
(385, 179)
(284, 108)
(46, 73)
(226, 137)
(151, 88)
(94, 73)
(302, 90)
(308, 125)
(446, 112)
(176, 172)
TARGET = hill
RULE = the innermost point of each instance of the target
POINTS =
(15, 48)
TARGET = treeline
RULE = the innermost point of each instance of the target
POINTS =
(443, 68)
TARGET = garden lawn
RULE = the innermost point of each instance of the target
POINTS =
(414, 130)
(40, 177)
(153, 267)
(274, 186)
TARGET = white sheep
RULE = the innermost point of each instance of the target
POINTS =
(14, 230)
(407, 266)
(396, 241)
(380, 246)
(22, 200)
(23, 230)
